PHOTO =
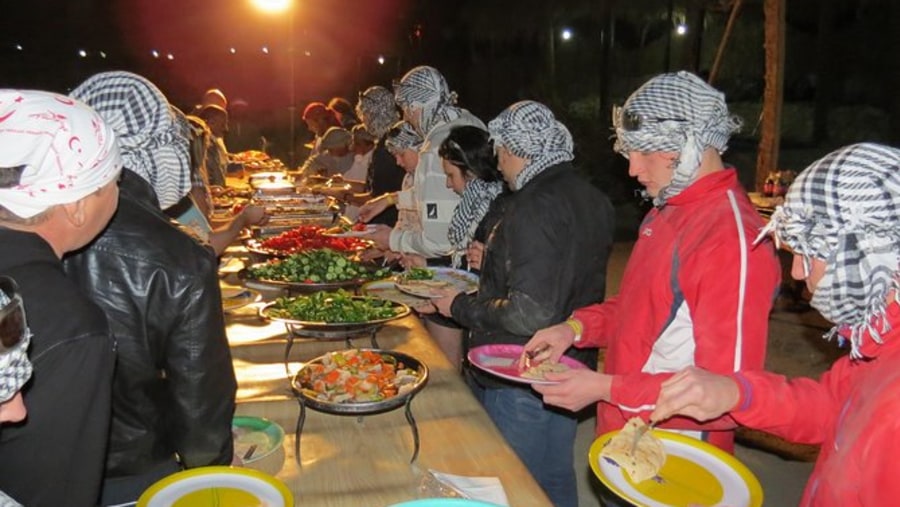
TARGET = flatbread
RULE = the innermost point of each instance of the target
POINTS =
(539, 371)
(648, 457)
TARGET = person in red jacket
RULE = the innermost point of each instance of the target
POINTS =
(695, 291)
(842, 221)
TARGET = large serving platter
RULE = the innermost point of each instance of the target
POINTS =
(400, 311)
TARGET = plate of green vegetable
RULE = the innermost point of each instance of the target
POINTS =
(314, 270)
(333, 311)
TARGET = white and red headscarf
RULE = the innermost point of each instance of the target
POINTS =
(66, 150)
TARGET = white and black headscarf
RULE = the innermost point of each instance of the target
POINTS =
(476, 198)
(15, 367)
(377, 110)
(680, 113)
(424, 87)
(153, 139)
(845, 209)
(529, 130)
(401, 137)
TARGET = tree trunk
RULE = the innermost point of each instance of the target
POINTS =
(720, 51)
(825, 83)
(770, 132)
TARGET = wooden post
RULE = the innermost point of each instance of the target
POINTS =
(720, 51)
(770, 131)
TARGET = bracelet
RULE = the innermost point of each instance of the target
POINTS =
(391, 199)
(576, 327)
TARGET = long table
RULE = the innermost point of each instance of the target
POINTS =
(365, 461)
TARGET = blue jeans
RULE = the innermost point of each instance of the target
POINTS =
(542, 437)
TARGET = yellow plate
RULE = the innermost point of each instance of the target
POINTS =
(695, 472)
(220, 486)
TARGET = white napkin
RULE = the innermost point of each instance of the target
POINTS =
(485, 489)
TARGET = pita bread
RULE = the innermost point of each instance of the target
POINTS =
(538, 371)
(648, 457)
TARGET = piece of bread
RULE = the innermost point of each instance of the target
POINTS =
(648, 457)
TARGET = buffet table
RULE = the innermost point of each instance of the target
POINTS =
(365, 461)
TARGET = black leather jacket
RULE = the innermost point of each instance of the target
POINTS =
(546, 257)
(174, 385)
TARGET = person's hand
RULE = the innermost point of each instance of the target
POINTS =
(549, 344)
(373, 207)
(696, 393)
(381, 236)
(370, 254)
(444, 302)
(575, 389)
(408, 261)
(253, 215)
(474, 254)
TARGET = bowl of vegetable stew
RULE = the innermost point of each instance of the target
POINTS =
(359, 381)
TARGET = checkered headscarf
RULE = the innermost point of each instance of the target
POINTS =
(377, 110)
(15, 368)
(529, 130)
(845, 210)
(64, 148)
(679, 113)
(153, 140)
(401, 137)
(425, 87)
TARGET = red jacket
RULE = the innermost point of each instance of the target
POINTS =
(695, 292)
(853, 410)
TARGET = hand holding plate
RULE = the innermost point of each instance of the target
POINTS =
(550, 343)
(575, 389)
(445, 301)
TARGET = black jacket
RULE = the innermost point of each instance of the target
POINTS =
(55, 457)
(546, 257)
(174, 385)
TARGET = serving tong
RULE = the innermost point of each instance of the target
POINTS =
(640, 433)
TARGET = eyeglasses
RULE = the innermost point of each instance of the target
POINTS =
(13, 327)
(630, 121)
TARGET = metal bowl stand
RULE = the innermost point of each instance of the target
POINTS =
(295, 331)
(301, 418)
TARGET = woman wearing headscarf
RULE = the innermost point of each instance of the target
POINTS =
(841, 220)
(159, 289)
(430, 107)
(545, 257)
(470, 164)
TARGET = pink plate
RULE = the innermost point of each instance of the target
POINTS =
(502, 361)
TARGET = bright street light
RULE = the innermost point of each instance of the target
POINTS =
(681, 29)
(273, 6)
(566, 34)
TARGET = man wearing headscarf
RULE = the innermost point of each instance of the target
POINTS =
(378, 112)
(174, 384)
(430, 107)
(59, 162)
(15, 367)
(841, 220)
(545, 257)
(695, 291)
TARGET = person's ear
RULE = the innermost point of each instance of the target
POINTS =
(75, 212)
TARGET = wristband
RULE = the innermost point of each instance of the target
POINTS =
(576, 327)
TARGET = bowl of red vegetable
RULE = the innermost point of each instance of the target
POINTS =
(301, 239)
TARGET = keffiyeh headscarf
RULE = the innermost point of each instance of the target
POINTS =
(424, 87)
(377, 110)
(15, 367)
(845, 210)
(677, 112)
(529, 130)
(66, 150)
(153, 140)
(473, 206)
(401, 137)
